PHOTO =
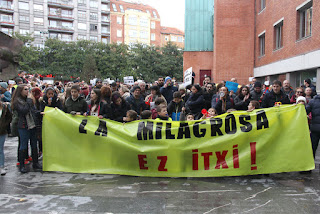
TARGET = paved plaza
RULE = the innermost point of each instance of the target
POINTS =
(55, 192)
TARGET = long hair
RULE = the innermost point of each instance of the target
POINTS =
(240, 91)
(98, 93)
(17, 94)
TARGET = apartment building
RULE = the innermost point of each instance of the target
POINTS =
(67, 20)
(134, 23)
(174, 35)
(267, 39)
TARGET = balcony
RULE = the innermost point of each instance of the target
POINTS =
(105, 33)
(7, 23)
(105, 21)
(61, 29)
(105, 10)
(105, 1)
(6, 8)
(61, 17)
(61, 3)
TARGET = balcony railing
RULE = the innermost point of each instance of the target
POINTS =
(6, 8)
(61, 29)
(60, 16)
(61, 3)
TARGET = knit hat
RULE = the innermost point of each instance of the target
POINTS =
(301, 98)
(4, 85)
(135, 88)
(166, 79)
(257, 84)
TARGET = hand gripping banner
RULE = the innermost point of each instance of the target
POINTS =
(264, 141)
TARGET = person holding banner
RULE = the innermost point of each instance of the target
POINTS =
(275, 96)
(26, 125)
(314, 107)
(75, 105)
(96, 107)
(118, 107)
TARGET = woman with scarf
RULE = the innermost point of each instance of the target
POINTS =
(26, 125)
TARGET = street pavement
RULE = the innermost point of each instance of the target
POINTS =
(55, 192)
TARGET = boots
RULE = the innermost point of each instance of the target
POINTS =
(35, 165)
(22, 156)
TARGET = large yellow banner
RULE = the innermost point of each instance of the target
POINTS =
(264, 141)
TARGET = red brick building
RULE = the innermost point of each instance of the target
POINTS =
(174, 35)
(268, 39)
(134, 22)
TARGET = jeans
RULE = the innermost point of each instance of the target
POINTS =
(2, 139)
(26, 135)
(315, 137)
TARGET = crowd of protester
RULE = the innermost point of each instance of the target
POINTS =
(22, 105)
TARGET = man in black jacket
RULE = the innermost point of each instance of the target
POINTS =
(275, 96)
(314, 107)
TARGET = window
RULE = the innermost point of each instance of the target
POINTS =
(24, 18)
(119, 33)
(153, 25)
(66, 37)
(155, 14)
(6, 18)
(6, 4)
(121, 8)
(66, 13)
(82, 2)
(93, 38)
(166, 38)
(262, 44)
(153, 37)
(105, 30)
(37, 33)
(104, 40)
(119, 20)
(148, 11)
(93, 27)
(23, 6)
(38, 7)
(93, 16)
(133, 33)
(24, 32)
(180, 39)
(82, 26)
(114, 8)
(262, 4)
(105, 7)
(94, 3)
(305, 15)
(67, 25)
(52, 23)
(8, 31)
(38, 20)
(278, 35)
(133, 20)
(82, 14)
(144, 22)
(144, 34)
(104, 18)
(173, 38)
(82, 37)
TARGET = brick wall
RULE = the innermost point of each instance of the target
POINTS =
(233, 40)
(198, 61)
(274, 11)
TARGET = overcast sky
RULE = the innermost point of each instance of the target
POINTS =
(171, 12)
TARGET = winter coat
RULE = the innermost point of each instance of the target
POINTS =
(137, 105)
(229, 105)
(5, 119)
(289, 93)
(174, 110)
(314, 107)
(7, 97)
(119, 112)
(24, 107)
(271, 98)
(207, 99)
(256, 96)
(195, 103)
(55, 103)
(79, 105)
(239, 104)
(168, 92)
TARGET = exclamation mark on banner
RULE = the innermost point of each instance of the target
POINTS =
(253, 155)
